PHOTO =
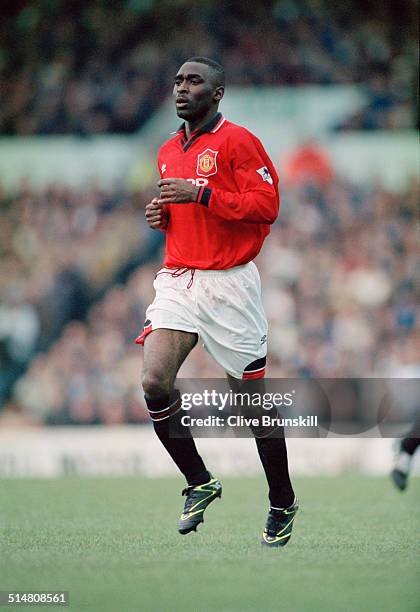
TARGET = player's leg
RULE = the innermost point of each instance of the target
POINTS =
(233, 327)
(402, 467)
(410, 445)
(272, 451)
(271, 447)
(164, 352)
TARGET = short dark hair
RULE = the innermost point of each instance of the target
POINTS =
(218, 71)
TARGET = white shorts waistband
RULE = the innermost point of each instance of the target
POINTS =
(211, 273)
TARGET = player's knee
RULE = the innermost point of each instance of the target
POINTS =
(155, 384)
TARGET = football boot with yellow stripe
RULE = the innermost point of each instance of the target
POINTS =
(278, 529)
(198, 498)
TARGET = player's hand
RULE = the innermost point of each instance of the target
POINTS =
(157, 215)
(177, 191)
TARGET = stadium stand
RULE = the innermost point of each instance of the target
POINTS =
(63, 70)
(59, 248)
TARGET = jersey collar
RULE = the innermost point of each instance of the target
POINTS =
(212, 126)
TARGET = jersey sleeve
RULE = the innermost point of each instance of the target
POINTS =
(254, 197)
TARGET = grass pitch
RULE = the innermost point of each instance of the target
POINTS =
(113, 544)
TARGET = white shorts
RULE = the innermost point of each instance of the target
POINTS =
(224, 307)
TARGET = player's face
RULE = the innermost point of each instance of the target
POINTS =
(195, 93)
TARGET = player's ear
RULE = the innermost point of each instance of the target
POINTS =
(218, 93)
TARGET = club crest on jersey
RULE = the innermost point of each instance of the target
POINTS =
(265, 175)
(206, 163)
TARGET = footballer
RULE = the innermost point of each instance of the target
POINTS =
(218, 197)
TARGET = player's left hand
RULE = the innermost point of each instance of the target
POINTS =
(177, 191)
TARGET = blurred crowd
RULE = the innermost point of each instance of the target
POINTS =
(59, 248)
(340, 288)
(94, 66)
(338, 275)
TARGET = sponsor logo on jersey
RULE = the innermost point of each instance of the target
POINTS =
(206, 163)
(265, 175)
(199, 182)
(163, 169)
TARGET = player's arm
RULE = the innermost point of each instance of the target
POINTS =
(256, 197)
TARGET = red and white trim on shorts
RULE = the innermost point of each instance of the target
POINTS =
(256, 369)
(146, 331)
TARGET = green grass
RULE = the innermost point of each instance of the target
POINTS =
(113, 544)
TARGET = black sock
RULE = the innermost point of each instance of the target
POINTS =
(409, 445)
(271, 446)
(273, 455)
(182, 450)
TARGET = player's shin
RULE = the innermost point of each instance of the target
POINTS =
(165, 412)
(273, 455)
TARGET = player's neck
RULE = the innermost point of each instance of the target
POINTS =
(193, 126)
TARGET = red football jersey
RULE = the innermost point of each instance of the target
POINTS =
(237, 201)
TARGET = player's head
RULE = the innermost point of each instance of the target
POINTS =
(199, 86)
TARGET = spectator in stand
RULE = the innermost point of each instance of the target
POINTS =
(308, 164)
